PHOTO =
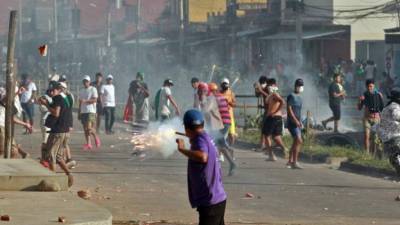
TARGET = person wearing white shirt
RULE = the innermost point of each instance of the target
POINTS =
(27, 95)
(87, 112)
(107, 93)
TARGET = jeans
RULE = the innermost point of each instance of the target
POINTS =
(223, 141)
(29, 109)
(109, 117)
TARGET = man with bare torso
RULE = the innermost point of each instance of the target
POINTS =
(273, 124)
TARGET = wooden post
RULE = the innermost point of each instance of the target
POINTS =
(10, 82)
(308, 124)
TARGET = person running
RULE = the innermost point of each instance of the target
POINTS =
(226, 91)
(261, 90)
(195, 85)
(69, 103)
(139, 97)
(163, 100)
(87, 112)
(372, 102)
(294, 106)
(273, 126)
(59, 127)
(98, 83)
(210, 110)
(336, 96)
(108, 99)
(205, 187)
(222, 142)
(27, 97)
(44, 114)
(17, 110)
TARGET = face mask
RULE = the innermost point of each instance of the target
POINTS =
(263, 86)
(301, 89)
(272, 89)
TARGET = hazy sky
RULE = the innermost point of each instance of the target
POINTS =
(366, 29)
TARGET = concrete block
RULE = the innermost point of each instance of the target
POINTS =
(27, 174)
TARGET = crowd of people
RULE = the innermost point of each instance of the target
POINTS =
(210, 124)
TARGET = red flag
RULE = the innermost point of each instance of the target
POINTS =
(43, 50)
(128, 112)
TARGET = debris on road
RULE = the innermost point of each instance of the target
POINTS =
(62, 219)
(326, 209)
(85, 194)
(5, 218)
(249, 195)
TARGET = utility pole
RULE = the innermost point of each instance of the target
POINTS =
(398, 13)
(299, 31)
(181, 30)
(108, 41)
(231, 20)
(55, 19)
(10, 82)
(20, 20)
(137, 55)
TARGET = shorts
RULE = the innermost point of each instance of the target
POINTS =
(87, 118)
(370, 122)
(55, 147)
(273, 126)
(295, 132)
(336, 111)
(29, 110)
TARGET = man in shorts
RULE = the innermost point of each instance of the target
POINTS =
(59, 127)
(87, 112)
(372, 102)
(273, 123)
(294, 106)
(336, 95)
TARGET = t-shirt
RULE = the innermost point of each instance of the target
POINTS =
(164, 101)
(86, 94)
(294, 101)
(61, 124)
(223, 108)
(98, 88)
(108, 95)
(204, 179)
(334, 88)
(27, 93)
(210, 110)
(139, 96)
(69, 103)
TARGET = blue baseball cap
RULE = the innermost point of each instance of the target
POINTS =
(193, 117)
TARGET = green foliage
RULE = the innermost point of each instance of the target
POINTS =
(311, 147)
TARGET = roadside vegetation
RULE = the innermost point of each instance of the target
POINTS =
(316, 150)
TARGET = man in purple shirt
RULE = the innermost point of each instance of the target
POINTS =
(206, 191)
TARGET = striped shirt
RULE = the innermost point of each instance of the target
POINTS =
(223, 108)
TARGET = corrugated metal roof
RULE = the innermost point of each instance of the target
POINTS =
(307, 35)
